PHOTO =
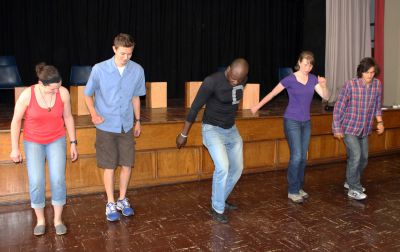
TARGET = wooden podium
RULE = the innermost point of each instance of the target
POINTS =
(251, 96)
(156, 94)
(78, 105)
(17, 92)
(191, 89)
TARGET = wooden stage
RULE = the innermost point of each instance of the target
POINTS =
(159, 162)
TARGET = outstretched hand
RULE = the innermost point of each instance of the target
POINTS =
(254, 109)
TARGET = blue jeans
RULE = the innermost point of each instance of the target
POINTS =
(226, 150)
(298, 137)
(357, 160)
(36, 155)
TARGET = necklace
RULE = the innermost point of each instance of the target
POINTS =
(51, 99)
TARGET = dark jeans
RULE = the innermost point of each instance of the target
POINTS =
(298, 137)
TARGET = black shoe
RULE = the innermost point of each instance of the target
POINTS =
(221, 218)
(230, 206)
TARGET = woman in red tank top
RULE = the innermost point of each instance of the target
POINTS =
(47, 110)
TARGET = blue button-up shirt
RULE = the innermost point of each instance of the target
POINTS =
(114, 93)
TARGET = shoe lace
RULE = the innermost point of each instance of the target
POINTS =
(111, 207)
(125, 202)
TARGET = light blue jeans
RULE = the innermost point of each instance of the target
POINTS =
(298, 137)
(36, 155)
(357, 160)
(226, 150)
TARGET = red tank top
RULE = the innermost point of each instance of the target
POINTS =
(43, 126)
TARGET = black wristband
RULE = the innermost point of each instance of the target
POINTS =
(137, 120)
(74, 142)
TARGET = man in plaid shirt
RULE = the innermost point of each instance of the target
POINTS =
(353, 119)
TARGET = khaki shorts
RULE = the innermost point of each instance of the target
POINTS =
(113, 149)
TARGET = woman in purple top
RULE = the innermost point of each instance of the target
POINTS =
(300, 86)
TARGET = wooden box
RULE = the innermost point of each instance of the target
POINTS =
(156, 94)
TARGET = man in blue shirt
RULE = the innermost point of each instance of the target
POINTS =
(116, 85)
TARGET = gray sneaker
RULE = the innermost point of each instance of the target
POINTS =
(295, 197)
(356, 195)
(347, 187)
(61, 229)
(303, 194)
(39, 230)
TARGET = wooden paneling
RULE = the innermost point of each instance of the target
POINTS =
(86, 140)
(160, 136)
(83, 173)
(159, 162)
(259, 154)
(174, 162)
(78, 105)
(341, 148)
(322, 147)
(393, 139)
(145, 167)
(5, 146)
(376, 143)
(208, 165)
(156, 94)
(283, 153)
(255, 130)
(321, 124)
(13, 179)
(391, 118)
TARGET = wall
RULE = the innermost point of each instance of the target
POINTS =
(392, 53)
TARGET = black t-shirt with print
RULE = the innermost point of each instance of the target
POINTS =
(221, 100)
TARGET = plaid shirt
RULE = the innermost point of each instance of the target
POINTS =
(356, 107)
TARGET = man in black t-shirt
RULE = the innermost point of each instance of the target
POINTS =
(221, 93)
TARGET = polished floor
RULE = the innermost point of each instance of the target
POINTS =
(176, 217)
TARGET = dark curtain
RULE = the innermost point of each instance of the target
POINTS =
(177, 40)
(314, 32)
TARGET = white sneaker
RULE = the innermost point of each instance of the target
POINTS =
(296, 198)
(347, 187)
(303, 194)
(356, 195)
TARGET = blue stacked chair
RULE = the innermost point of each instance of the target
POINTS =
(79, 75)
(9, 77)
(77, 80)
(8, 60)
(283, 72)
